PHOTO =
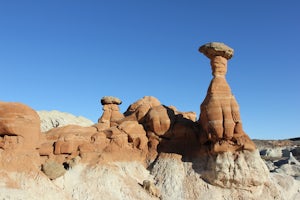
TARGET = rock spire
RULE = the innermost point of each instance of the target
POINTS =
(111, 112)
(220, 116)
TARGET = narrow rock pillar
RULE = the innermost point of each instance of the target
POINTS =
(220, 117)
(111, 112)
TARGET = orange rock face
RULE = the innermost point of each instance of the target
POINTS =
(111, 113)
(220, 116)
(19, 127)
(147, 128)
(140, 108)
(159, 119)
(19, 137)
(66, 140)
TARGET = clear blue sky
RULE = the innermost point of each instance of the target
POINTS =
(66, 54)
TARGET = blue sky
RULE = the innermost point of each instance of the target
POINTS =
(67, 54)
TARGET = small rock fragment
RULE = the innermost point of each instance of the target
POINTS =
(150, 188)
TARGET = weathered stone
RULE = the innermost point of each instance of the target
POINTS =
(161, 145)
(296, 151)
(111, 113)
(291, 170)
(188, 115)
(159, 119)
(68, 138)
(153, 142)
(54, 119)
(110, 100)
(236, 170)
(140, 108)
(213, 49)
(136, 134)
(100, 141)
(19, 126)
(46, 149)
(220, 117)
(151, 188)
(182, 138)
(53, 169)
(110, 117)
(116, 136)
(271, 153)
(168, 171)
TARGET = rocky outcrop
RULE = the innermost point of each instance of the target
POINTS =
(177, 179)
(155, 157)
(19, 137)
(67, 142)
(231, 161)
(118, 180)
(236, 170)
(19, 127)
(152, 151)
(281, 156)
(146, 128)
(172, 178)
(220, 117)
(54, 119)
(140, 108)
(111, 113)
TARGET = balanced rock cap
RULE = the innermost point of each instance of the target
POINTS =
(213, 49)
(110, 100)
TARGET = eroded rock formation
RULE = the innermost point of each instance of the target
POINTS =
(220, 117)
(19, 127)
(111, 113)
(151, 151)
(19, 137)
(236, 170)
(144, 130)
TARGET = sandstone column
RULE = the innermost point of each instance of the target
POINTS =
(220, 118)
(111, 113)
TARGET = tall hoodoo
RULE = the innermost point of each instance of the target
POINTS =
(111, 112)
(220, 116)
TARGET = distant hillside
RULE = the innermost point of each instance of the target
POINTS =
(54, 118)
